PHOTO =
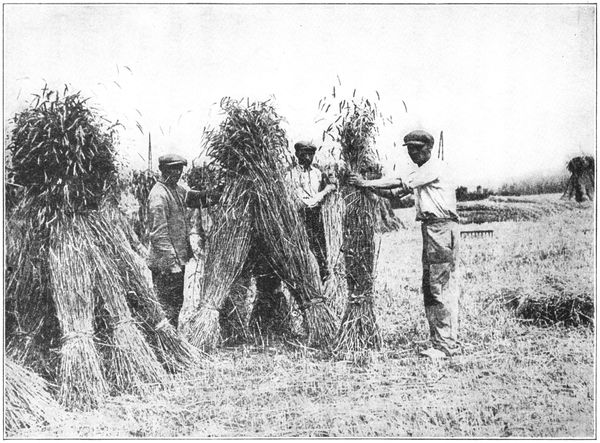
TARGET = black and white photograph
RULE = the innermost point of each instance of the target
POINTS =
(299, 220)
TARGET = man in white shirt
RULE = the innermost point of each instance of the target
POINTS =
(435, 202)
(311, 188)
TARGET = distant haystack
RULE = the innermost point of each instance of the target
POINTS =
(582, 181)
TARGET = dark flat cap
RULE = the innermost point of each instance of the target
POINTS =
(305, 146)
(171, 160)
(418, 138)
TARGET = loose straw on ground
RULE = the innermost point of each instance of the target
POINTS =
(27, 400)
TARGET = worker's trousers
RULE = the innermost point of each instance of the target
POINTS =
(316, 239)
(440, 282)
(169, 289)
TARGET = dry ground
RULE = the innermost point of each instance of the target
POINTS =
(515, 379)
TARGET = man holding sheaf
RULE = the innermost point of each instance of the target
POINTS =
(435, 203)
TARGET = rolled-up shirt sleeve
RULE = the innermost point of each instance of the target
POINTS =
(429, 172)
(159, 230)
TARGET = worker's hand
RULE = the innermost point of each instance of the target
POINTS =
(142, 251)
(330, 188)
(331, 178)
(402, 189)
(355, 179)
(175, 269)
(371, 195)
(401, 185)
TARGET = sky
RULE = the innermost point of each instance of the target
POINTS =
(513, 87)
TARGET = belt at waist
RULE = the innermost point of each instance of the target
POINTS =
(429, 221)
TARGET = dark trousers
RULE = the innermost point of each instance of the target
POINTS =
(270, 313)
(316, 239)
(169, 289)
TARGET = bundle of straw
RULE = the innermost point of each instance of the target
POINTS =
(82, 382)
(117, 219)
(194, 271)
(332, 211)
(141, 184)
(233, 318)
(292, 259)
(226, 251)
(27, 400)
(131, 364)
(32, 330)
(356, 126)
(13, 193)
(359, 330)
(209, 179)
(558, 299)
(170, 347)
(62, 153)
(252, 144)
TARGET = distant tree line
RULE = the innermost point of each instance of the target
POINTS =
(463, 194)
(529, 186)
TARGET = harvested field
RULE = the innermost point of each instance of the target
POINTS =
(516, 379)
(530, 207)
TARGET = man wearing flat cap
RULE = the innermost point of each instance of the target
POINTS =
(435, 202)
(170, 228)
(311, 188)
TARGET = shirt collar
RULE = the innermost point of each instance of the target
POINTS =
(303, 169)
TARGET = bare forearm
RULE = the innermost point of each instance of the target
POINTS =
(383, 183)
(392, 193)
(312, 202)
